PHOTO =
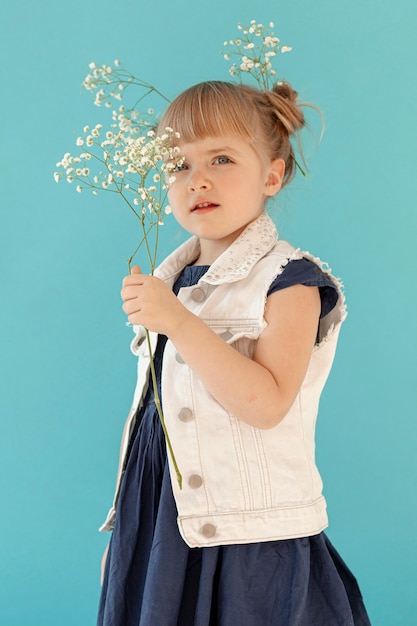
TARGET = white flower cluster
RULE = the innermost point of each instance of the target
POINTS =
(104, 82)
(127, 158)
(130, 160)
(127, 165)
(138, 168)
(109, 83)
(255, 49)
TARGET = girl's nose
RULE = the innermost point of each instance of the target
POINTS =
(198, 180)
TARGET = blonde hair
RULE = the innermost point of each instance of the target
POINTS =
(267, 119)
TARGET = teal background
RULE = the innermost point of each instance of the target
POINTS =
(67, 374)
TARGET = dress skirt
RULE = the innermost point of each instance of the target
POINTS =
(153, 578)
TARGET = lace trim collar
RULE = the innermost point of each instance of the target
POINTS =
(258, 238)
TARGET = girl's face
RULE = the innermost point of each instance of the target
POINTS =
(220, 188)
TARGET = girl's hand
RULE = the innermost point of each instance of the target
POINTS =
(149, 302)
(258, 391)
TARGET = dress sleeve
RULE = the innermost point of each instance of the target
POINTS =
(305, 272)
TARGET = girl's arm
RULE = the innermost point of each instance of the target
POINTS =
(259, 392)
(103, 564)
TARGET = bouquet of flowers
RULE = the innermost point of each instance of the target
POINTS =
(128, 158)
(132, 161)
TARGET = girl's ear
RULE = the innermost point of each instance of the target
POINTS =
(275, 174)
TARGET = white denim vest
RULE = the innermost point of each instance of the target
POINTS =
(240, 484)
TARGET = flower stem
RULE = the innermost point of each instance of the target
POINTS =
(160, 413)
(154, 381)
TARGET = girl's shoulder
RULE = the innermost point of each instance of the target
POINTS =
(305, 272)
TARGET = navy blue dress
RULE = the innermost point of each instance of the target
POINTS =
(152, 578)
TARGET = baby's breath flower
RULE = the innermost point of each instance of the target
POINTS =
(126, 158)
(253, 52)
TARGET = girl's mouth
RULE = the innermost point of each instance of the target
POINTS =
(201, 207)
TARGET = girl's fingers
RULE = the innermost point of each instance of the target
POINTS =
(136, 278)
(129, 292)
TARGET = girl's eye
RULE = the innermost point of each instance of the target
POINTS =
(221, 160)
(180, 167)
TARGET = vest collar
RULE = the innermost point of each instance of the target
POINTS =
(235, 263)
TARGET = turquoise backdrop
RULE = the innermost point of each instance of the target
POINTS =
(67, 374)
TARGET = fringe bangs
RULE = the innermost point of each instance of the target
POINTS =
(209, 109)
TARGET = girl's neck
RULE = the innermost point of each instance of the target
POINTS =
(206, 258)
(210, 250)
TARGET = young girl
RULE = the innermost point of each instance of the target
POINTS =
(244, 330)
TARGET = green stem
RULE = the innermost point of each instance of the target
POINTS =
(297, 164)
(141, 83)
(153, 373)
(156, 244)
(148, 250)
(160, 413)
(132, 256)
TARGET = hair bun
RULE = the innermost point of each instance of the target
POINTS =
(285, 90)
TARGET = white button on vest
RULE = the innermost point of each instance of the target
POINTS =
(208, 530)
(195, 481)
(186, 415)
(198, 295)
